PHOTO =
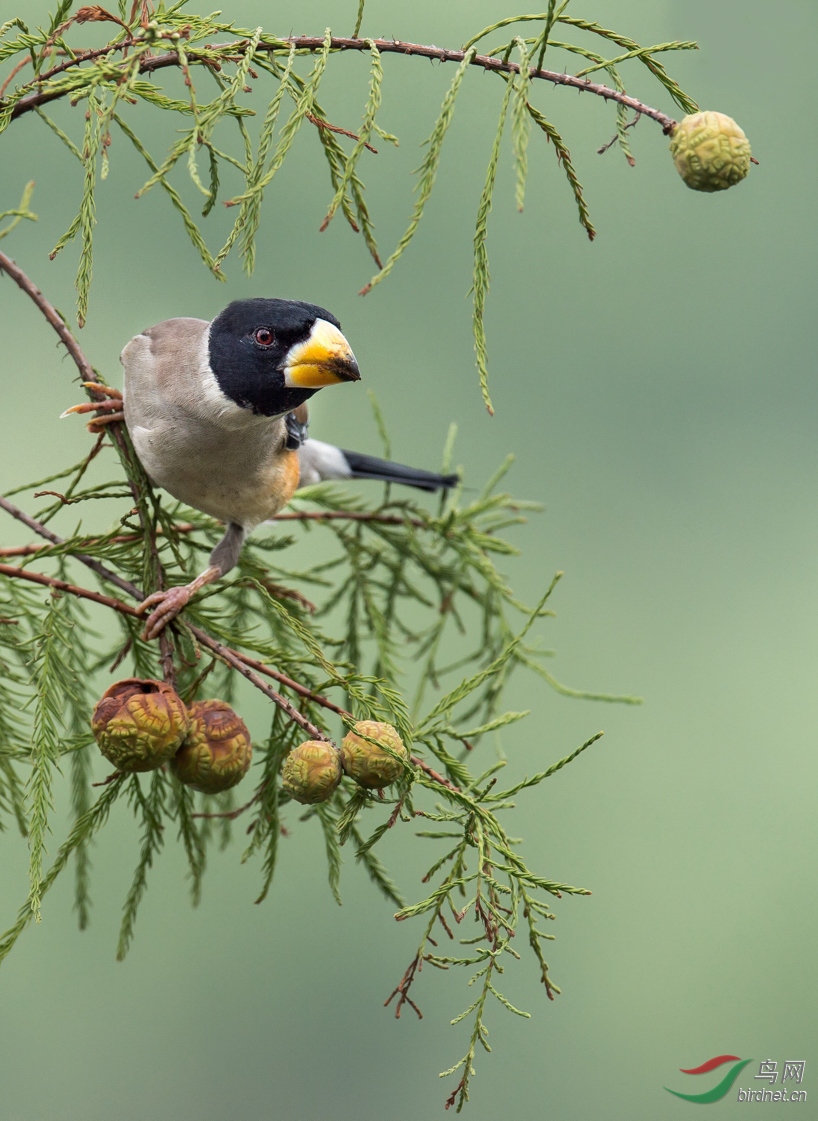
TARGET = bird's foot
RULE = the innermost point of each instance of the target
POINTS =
(167, 605)
(108, 409)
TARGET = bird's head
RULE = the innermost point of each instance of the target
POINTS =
(269, 356)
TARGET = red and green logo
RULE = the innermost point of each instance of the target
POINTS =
(723, 1087)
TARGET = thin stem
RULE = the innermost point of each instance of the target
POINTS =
(384, 46)
(39, 528)
(186, 527)
(52, 315)
(64, 586)
(434, 775)
(236, 661)
(87, 371)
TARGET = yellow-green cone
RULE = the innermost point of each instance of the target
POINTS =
(370, 765)
(139, 725)
(216, 751)
(710, 151)
(311, 772)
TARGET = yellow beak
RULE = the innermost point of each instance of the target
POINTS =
(324, 358)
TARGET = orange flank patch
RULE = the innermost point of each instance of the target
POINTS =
(289, 478)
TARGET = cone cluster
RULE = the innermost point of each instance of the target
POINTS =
(371, 754)
(141, 724)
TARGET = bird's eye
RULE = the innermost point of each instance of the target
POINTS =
(264, 336)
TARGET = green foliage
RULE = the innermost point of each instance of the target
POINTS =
(408, 600)
(52, 683)
(17, 215)
(396, 586)
(215, 127)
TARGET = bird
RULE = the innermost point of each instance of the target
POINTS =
(216, 412)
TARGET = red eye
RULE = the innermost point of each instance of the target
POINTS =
(264, 336)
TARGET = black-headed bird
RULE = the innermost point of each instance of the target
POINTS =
(217, 414)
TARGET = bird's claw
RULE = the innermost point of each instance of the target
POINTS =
(108, 410)
(167, 606)
(104, 390)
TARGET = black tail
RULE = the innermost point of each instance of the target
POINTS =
(369, 467)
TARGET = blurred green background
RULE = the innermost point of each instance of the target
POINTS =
(658, 391)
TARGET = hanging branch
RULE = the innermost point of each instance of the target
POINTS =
(111, 77)
(309, 43)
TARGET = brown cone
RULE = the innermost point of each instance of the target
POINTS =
(139, 725)
(216, 752)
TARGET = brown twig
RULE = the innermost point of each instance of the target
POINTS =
(90, 562)
(20, 66)
(444, 924)
(84, 56)
(121, 656)
(433, 774)
(110, 778)
(87, 372)
(55, 494)
(165, 640)
(95, 13)
(319, 123)
(290, 515)
(231, 815)
(279, 591)
(393, 817)
(385, 46)
(401, 990)
(601, 151)
(120, 539)
(192, 689)
(52, 315)
(64, 586)
(24, 550)
(452, 1098)
(21, 550)
(297, 687)
(90, 379)
(234, 659)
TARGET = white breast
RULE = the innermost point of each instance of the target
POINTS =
(192, 439)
